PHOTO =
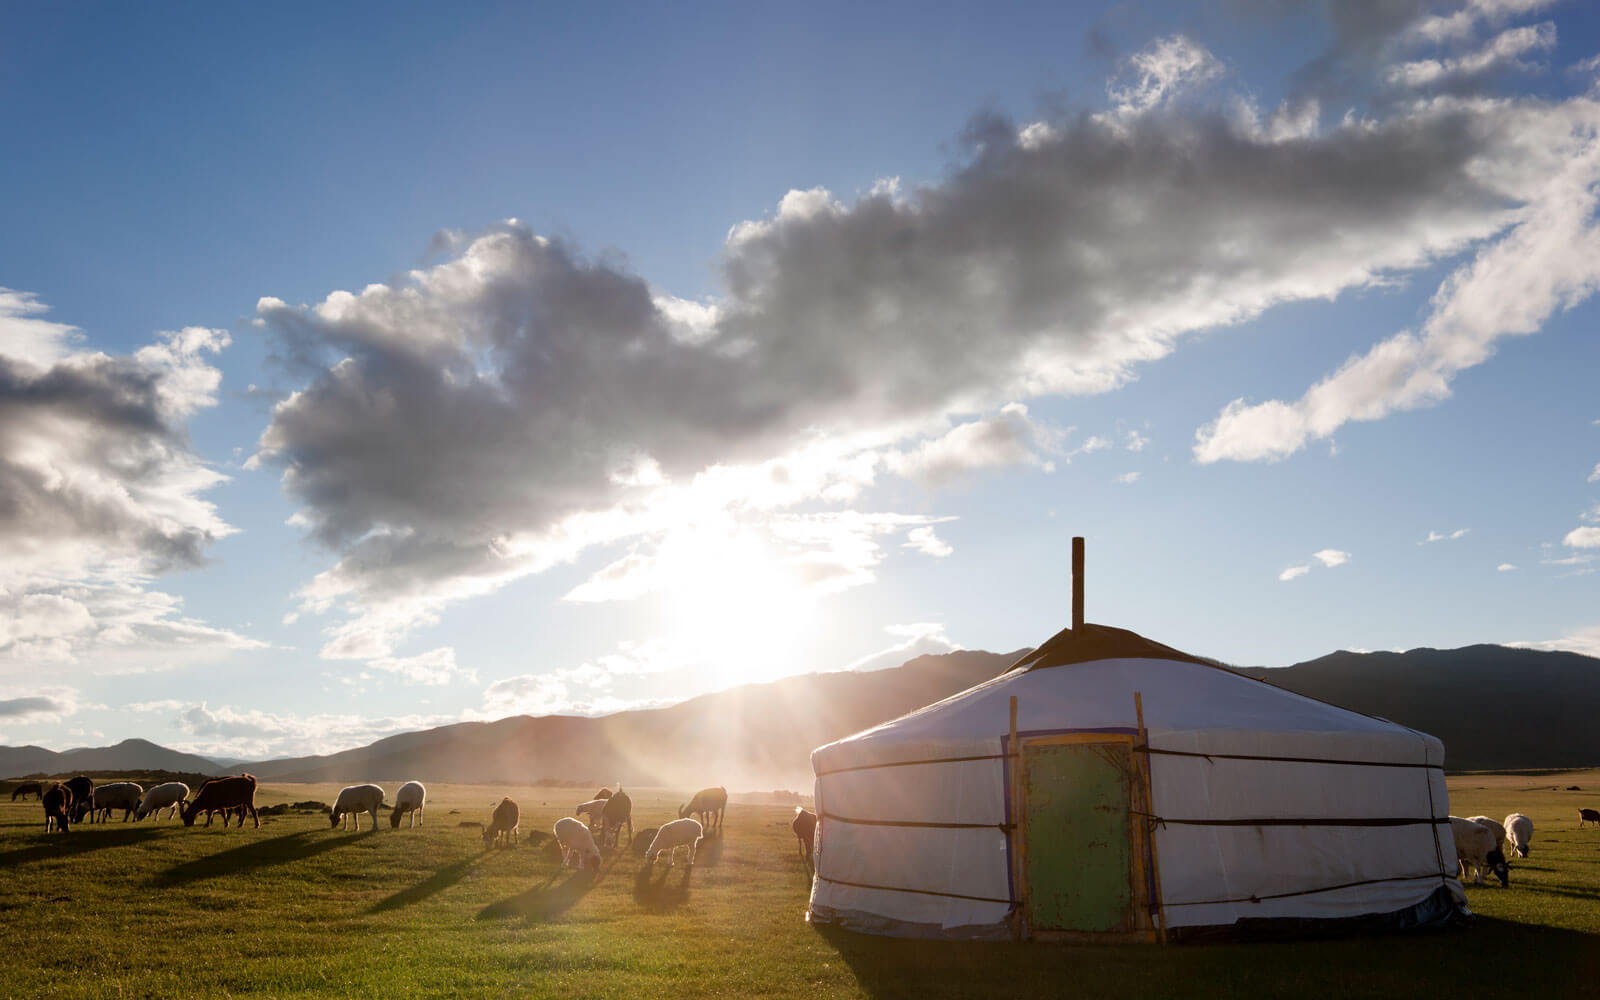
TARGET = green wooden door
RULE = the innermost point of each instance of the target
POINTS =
(1077, 837)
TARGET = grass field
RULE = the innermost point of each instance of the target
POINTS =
(296, 909)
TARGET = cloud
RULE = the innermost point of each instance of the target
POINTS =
(1010, 437)
(480, 419)
(1128, 478)
(1331, 557)
(1594, 477)
(1294, 572)
(436, 667)
(1136, 441)
(1587, 537)
(228, 731)
(1505, 567)
(39, 704)
(1585, 641)
(1503, 51)
(916, 639)
(1445, 536)
(925, 541)
(1549, 260)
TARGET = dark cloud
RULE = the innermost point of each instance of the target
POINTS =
(15, 708)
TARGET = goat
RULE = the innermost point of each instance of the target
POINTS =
(57, 801)
(82, 789)
(354, 800)
(1475, 848)
(122, 795)
(1584, 816)
(708, 804)
(408, 799)
(224, 795)
(681, 832)
(578, 849)
(1519, 830)
(805, 831)
(617, 812)
(25, 787)
(160, 797)
(503, 825)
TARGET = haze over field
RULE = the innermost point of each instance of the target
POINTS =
(433, 367)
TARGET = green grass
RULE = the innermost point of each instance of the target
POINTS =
(296, 909)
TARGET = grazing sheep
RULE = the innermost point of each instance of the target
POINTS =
(681, 832)
(503, 825)
(618, 812)
(1475, 848)
(594, 809)
(122, 795)
(1584, 816)
(22, 790)
(1519, 830)
(160, 797)
(805, 831)
(1494, 827)
(354, 800)
(224, 795)
(708, 804)
(408, 799)
(57, 801)
(578, 848)
(82, 790)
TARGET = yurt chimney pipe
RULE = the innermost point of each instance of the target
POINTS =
(1077, 582)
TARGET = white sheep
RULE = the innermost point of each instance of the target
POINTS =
(122, 795)
(578, 848)
(1475, 848)
(594, 809)
(173, 794)
(354, 800)
(1519, 830)
(408, 799)
(678, 833)
(1494, 827)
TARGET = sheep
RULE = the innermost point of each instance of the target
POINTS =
(23, 789)
(173, 794)
(1475, 847)
(354, 800)
(594, 809)
(1519, 830)
(682, 832)
(224, 795)
(1494, 827)
(82, 789)
(408, 799)
(618, 812)
(578, 848)
(1584, 816)
(503, 825)
(57, 801)
(805, 831)
(708, 804)
(122, 795)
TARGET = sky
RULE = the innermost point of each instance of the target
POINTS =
(368, 368)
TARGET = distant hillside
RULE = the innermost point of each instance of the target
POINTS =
(759, 736)
(129, 755)
(1495, 708)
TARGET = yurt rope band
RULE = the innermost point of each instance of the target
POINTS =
(1286, 760)
(919, 892)
(913, 763)
(1004, 827)
(1303, 892)
(1359, 821)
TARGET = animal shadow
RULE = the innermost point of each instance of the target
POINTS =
(661, 895)
(58, 845)
(284, 849)
(544, 901)
(440, 880)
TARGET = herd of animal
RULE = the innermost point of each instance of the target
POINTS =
(1481, 843)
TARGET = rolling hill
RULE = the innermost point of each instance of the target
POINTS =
(129, 755)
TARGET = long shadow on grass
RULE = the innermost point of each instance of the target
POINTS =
(660, 895)
(1540, 960)
(282, 850)
(542, 901)
(76, 841)
(440, 880)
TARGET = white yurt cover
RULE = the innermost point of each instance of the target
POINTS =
(1263, 804)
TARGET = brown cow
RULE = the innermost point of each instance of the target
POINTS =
(1588, 816)
(805, 831)
(82, 788)
(26, 787)
(224, 795)
(57, 801)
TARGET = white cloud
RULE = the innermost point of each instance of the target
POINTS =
(1136, 441)
(1331, 557)
(1505, 567)
(1128, 478)
(1295, 571)
(1162, 70)
(227, 731)
(1585, 641)
(916, 639)
(1587, 537)
(1594, 477)
(1010, 437)
(1503, 51)
(1444, 536)
(39, 704)
(436, 667)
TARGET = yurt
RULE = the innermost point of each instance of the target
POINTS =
(1106, 787)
